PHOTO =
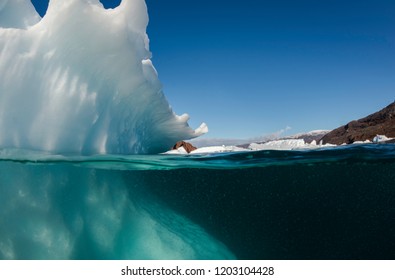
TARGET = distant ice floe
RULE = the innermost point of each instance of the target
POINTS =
(207, 150)
(286, 144)
(280, 145)
(381, 139)
(376, 140)
(359, 142)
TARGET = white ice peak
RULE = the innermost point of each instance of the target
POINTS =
(80, 80)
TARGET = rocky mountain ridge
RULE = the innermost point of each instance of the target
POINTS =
(378, 123)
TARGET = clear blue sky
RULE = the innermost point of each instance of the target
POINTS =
(252, 67)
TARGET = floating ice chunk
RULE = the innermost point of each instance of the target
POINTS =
(179, 151)
(380, 138)
(287, 144)
(362, 142)
(208, 150)
(212, 149)
(218, 149)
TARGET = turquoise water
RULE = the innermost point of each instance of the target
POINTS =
(333, 203)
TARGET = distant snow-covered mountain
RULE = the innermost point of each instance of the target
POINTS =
(309, 137)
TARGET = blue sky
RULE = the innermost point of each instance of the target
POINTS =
(252, 67)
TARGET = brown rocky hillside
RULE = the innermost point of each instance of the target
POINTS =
(379, 123)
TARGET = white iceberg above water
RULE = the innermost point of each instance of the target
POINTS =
(80, 80)
(381, 139)
(286, 144)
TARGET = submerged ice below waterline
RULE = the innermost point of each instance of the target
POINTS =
(60, 211)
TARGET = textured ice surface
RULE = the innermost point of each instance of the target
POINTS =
(17, 14)
(286, 144)
(80, 80)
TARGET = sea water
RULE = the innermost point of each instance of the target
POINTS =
(332, 203)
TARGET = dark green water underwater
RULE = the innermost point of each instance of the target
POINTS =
(336, 203)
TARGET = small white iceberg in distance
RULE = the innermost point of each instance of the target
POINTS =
(381, 139)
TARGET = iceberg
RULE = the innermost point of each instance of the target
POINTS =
(76, 83)
(381, 139)
(80, 80)
(284, 144)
